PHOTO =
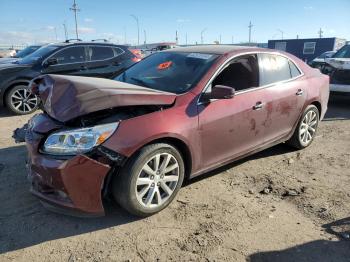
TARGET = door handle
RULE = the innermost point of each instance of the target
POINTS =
(83, 68)
(299, 92)
(258, 106)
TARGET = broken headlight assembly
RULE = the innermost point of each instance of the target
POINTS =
(77, 141)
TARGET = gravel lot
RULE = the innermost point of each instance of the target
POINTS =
(278, 205)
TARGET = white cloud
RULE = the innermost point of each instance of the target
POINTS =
(308, 8)
(22, 37)
(88, 20)
(86, 30)
(183, 20)
(48, 28)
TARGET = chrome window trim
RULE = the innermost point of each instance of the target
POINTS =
(84, 46)
(228, 61)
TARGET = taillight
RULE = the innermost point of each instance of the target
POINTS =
(137, 55)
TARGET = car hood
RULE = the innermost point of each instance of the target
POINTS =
(10, 66)
(67, 97)
(8, 60)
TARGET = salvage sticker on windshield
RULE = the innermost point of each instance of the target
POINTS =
(165, 65)
(200, 56)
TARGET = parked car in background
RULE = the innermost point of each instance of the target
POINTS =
(95, 59)
(338, 69)
(7, 52)
(319, 61)
(20, 54)
(149, 49)
(174, 115)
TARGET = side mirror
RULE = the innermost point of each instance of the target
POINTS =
(222, 92)
(51, 61)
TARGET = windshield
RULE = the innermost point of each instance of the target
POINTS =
(26, 51)
(38, 54)
(343, 52)
(173, 72)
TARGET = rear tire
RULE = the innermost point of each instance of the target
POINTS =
(150, 180)
(306, 129)
(20, 101)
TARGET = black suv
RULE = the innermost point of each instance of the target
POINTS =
(94, 59)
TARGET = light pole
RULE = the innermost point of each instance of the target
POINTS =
(250, 30)
(138, 28)
(65, 30)
(75, 9)
(144, 31)
(205, 29)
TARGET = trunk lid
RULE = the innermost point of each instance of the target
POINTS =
(67, 97)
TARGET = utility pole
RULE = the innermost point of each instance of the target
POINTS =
(186, 38)
(124, 35)
(205, 29)
(281, 32)
(138, 28)
(220, 39)
(176, 37)
(75, 9)
(250, 31)
(65, 30)
(297, 36)
(320, 33)
(232, 39)
(144, 31)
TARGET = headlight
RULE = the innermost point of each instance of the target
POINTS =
(76, 141)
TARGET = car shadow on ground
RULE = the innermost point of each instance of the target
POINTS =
(338, 108)
(319, 250)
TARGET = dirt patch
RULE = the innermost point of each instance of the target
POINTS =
(278, 205)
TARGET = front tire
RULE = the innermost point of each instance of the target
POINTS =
(20, 101)
(150, 180)
(305, 132)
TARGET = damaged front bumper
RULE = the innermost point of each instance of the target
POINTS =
(73, 185)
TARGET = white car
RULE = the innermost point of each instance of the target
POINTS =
(338, 69)
(7, 53)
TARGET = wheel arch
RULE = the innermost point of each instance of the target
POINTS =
(318, 105)
(179, 145)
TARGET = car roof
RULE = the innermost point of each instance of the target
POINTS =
(213, 49)
(61, 44)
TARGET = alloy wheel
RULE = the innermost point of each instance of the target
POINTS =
(308, 127)
(23, 100)
(157, 180)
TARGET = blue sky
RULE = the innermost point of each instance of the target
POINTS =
(28, 21)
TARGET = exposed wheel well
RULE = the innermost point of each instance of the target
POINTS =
(318, 105)
(24, 82)
(183, 149)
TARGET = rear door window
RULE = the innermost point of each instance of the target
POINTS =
(273, 68)
(69, 55)
(97, 53)
(293, 69)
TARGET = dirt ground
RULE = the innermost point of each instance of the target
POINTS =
(278, 205)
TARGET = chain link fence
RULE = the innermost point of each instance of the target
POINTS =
(16, 47)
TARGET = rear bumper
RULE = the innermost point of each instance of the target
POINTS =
(339, 88)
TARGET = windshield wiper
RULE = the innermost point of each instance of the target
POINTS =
(143, 83)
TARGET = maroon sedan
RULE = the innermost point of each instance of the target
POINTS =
(170, 117)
